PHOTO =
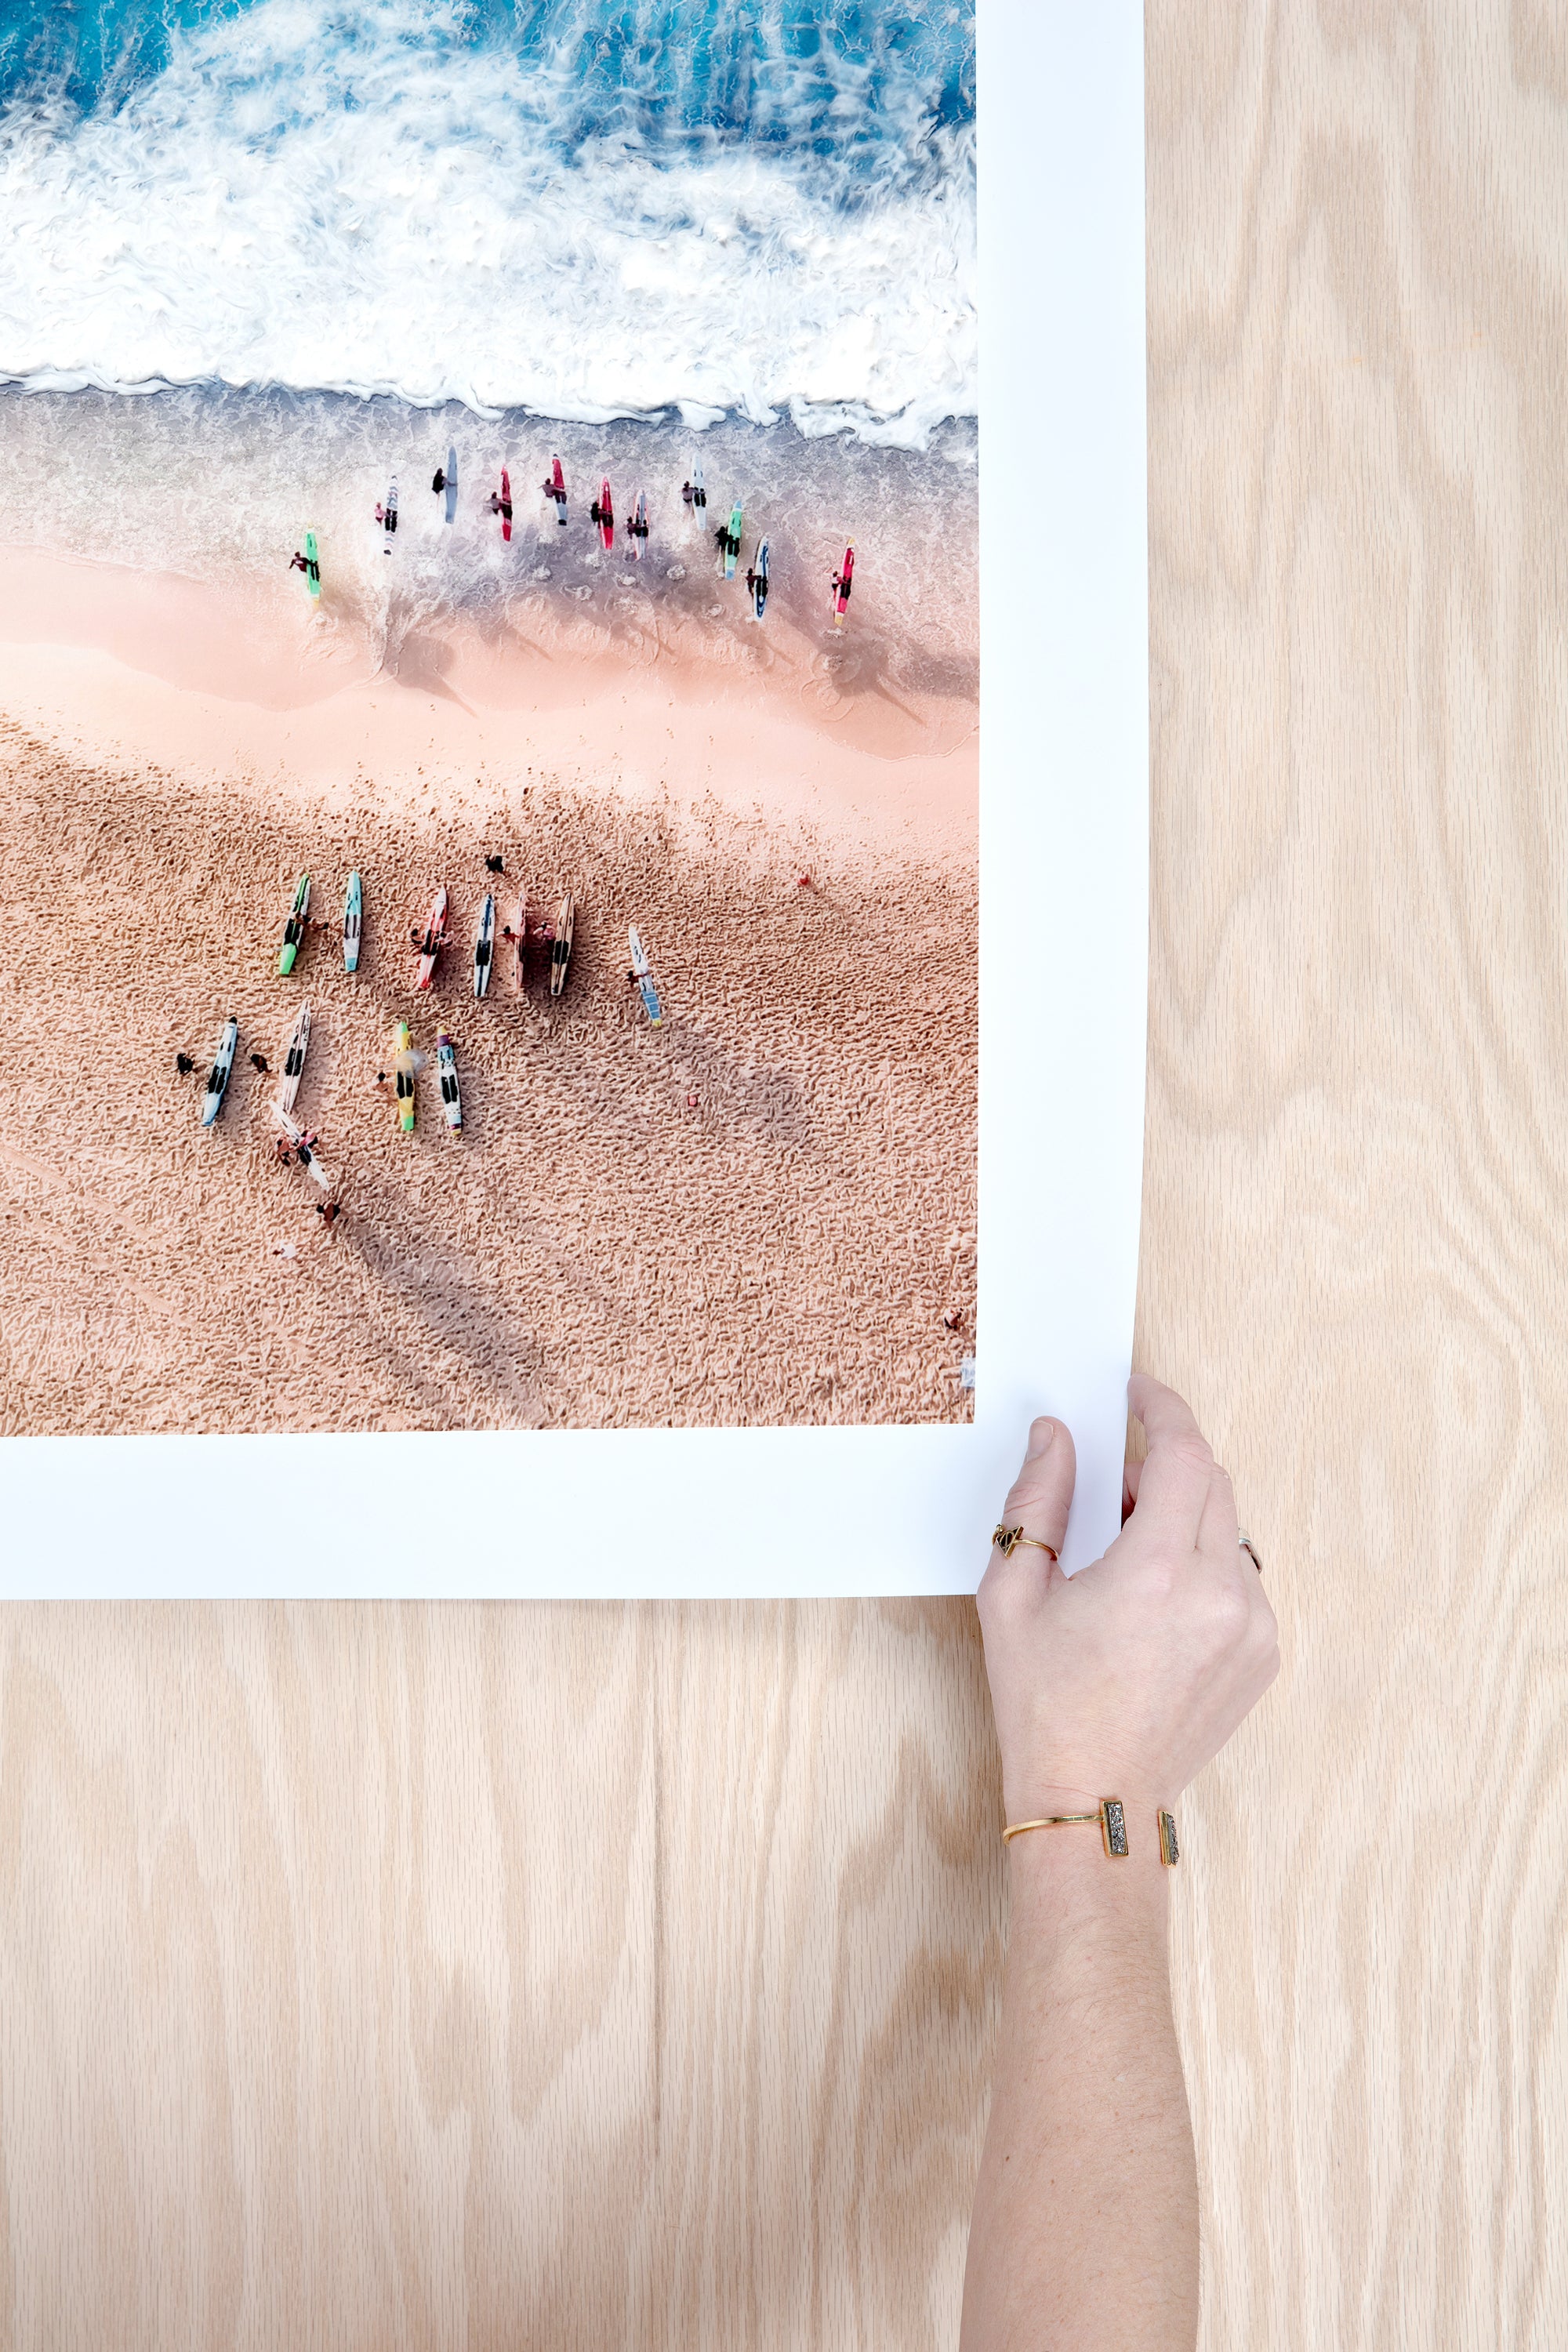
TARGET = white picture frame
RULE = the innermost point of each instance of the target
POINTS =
(798, 1512)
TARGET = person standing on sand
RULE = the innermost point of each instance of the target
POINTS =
(297, 563)
(184, 1064)
(258, 1063)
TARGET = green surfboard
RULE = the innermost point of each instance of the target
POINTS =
(294, 928)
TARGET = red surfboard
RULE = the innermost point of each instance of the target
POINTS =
(556, 488)
(843, 581)
(505, 504)
(606, 516)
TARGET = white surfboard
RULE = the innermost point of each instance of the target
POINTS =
(485, 946)
(294, 1054)
(306, 1152)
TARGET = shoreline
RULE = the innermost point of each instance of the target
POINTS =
(115, 666)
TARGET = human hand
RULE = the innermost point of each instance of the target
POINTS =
(1125, 1679)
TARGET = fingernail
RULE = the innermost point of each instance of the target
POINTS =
(1042, 1436)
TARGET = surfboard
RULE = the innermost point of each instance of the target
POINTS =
(446, 1067)
(223, 1063)
(294, 1054)
(760, 588)
(433, 939)
(519, 942)
(842, 586)
(313, 567)
(644, 978)
(354, 922)
(389, 518)
(404, 1065)
(638, 531)
(305, 1152)
(451, 483)
(485, 946)
(294, 928)
(561, 944)
(606, 516)
(506, 506)
(699, 493)
(558, 491)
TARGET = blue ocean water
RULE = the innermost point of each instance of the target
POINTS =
(573, 207)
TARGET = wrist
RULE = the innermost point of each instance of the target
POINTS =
(1065, 1892)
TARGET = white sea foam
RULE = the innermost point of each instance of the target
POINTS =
(330, 200)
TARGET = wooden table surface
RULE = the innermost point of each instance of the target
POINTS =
(521, 1976)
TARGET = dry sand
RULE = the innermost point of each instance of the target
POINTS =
(596, 1248)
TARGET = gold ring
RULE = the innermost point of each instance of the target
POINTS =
(1008, 1540)
(1250, 1548)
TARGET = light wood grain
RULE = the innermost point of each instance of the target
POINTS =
(426, 1977)
(429, 1976)
(1357, 1142)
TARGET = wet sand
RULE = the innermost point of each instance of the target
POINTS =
(597, 1247)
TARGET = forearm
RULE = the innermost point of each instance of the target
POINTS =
(1085, 2226)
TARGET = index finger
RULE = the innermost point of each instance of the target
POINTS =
(1174, 1483)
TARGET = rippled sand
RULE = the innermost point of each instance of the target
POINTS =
(759, 1212)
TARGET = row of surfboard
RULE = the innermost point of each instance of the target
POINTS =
(603, 514)
(406, 1064)
(432, 937)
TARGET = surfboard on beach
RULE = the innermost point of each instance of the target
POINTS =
(294, 1052)
(561, 944)
(222, 1064)
(506, 506)
(555, 490)
(447, 1073)
(432, 939)
(389, 517)
(294, 928)
(643, 976)
(451, 471)
(354, 922)
(313, 567)
(485, 946)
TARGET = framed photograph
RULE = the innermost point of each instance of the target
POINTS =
(573, 791)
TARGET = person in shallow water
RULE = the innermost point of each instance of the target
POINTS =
(438, 482)
(686, 495)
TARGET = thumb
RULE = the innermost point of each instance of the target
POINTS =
(1040, 1496)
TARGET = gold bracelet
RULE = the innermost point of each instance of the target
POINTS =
(1108, 1814)
(1112, 1818)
